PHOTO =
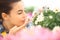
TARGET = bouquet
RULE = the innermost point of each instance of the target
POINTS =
(47, 18)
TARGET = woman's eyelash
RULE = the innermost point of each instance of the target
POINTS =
(19, 12)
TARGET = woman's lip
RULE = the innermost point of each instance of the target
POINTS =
(24, 19)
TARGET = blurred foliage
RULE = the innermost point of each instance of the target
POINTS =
(29, 9)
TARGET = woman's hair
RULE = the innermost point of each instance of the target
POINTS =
(5, 6)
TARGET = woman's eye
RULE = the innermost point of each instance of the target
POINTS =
(19, 13)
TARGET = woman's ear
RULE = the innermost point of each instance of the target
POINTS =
(4, 16)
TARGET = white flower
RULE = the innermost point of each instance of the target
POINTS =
(36, 22)
(50, 17)
(56, 28)
(56, 10)
(40, 17)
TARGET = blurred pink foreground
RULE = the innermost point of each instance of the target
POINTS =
(35, 33)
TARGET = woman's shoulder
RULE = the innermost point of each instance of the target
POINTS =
(3, 33)
(1, 28)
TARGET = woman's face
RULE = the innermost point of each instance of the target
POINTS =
(17, 15)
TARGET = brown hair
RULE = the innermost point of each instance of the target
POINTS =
(5, 6)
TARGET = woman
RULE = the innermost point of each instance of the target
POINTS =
(12, 15)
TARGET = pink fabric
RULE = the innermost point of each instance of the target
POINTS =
(36, 33)
(1, 38)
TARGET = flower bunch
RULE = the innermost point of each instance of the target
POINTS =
(48, 18)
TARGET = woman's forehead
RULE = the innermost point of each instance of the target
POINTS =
(18, 5)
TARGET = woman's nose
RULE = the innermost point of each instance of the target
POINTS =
(24, 15)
